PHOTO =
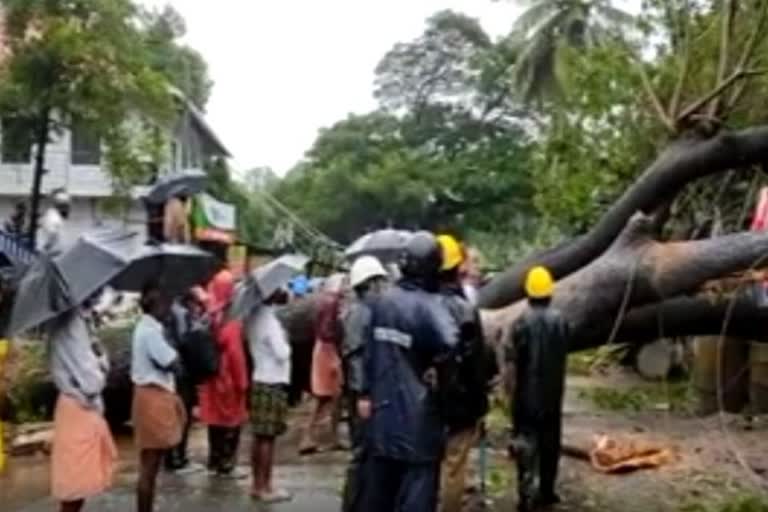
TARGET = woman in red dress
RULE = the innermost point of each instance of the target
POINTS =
(223, 398)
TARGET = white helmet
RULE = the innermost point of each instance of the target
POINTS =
(365, 268)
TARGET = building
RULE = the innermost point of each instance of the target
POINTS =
(74, 162)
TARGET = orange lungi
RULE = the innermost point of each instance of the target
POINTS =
(327, 376)
(158, 418)
(84, 454)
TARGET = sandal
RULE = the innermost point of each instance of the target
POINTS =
(276, 496)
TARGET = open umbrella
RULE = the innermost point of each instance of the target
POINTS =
(187, 182)
(263, 282)
(174, 267)
(385, 244)
(51, 287)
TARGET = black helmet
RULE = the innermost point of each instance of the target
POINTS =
(421, 259)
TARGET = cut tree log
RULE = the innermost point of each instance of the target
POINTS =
(682, 162)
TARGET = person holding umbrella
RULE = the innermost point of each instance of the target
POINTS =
(269, 347)
(411, 332)
(81, 437)
(157, 413)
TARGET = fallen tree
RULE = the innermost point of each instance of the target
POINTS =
(638, 290)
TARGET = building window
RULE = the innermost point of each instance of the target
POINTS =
(16, 140)
(85, 145)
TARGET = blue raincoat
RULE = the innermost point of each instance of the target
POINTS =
(410, 331)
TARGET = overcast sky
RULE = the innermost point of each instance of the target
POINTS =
(285, 68)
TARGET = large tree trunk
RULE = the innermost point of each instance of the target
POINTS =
(684, 161)
(41, 140)
(619, 291)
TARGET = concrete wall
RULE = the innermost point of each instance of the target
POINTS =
(88, 214)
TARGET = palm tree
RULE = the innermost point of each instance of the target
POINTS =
(548, 25)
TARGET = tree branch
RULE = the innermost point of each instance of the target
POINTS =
(662, 114)
(729, 7)
(716, 92)
(748, 53)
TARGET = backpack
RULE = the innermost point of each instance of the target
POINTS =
(464, 375)
(199, 353)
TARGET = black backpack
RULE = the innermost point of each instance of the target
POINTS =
(464, 375)
(199, 353)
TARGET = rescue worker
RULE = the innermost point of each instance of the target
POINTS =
(539, 349)
(465, 382)
(410, 333)
(367, 279)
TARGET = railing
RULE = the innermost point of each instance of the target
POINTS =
(16, 249)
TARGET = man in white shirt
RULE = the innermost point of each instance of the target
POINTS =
(271, 354)
(158, 414)
(53, 223)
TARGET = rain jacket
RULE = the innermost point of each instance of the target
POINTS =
(356, 319)
(465, 379)
(223, 397)
(540, 340)
(410, 331)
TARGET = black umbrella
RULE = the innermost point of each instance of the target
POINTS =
(187, 182)
(51, 287)
(173, 267)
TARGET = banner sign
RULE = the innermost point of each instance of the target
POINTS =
(214, 221)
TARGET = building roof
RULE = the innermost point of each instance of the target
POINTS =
(199, 119)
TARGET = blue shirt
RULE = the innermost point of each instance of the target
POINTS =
(152, 355)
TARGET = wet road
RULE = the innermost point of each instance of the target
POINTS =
(313, 492)
(315, 483)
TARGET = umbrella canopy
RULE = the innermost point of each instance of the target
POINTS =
(51, 287)
(174, 267)
(385, 244)
(263, 282)
(188, 182)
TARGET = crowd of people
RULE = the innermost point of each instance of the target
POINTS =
(402, 357)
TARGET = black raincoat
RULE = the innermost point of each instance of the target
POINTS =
(540, 338)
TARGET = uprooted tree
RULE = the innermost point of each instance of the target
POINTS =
(619, 281)
(623, 280)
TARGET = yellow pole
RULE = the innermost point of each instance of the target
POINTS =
(3, 353)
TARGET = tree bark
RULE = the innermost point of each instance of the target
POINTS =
(682, 162)
(620, 295)
(739, 316)
(41, 139)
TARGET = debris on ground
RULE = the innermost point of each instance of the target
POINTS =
(627, 454)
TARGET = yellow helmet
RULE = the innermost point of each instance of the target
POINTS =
(539, 283)
(453, 254)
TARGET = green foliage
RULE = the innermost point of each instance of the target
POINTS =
(598, 140)
(80, 62)
(180, 64)
(27, 393)
(671, 395)
(448, 150)
(740, 503)
(252, 218)
(549, 27)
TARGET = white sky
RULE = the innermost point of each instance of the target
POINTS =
(285, 68)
